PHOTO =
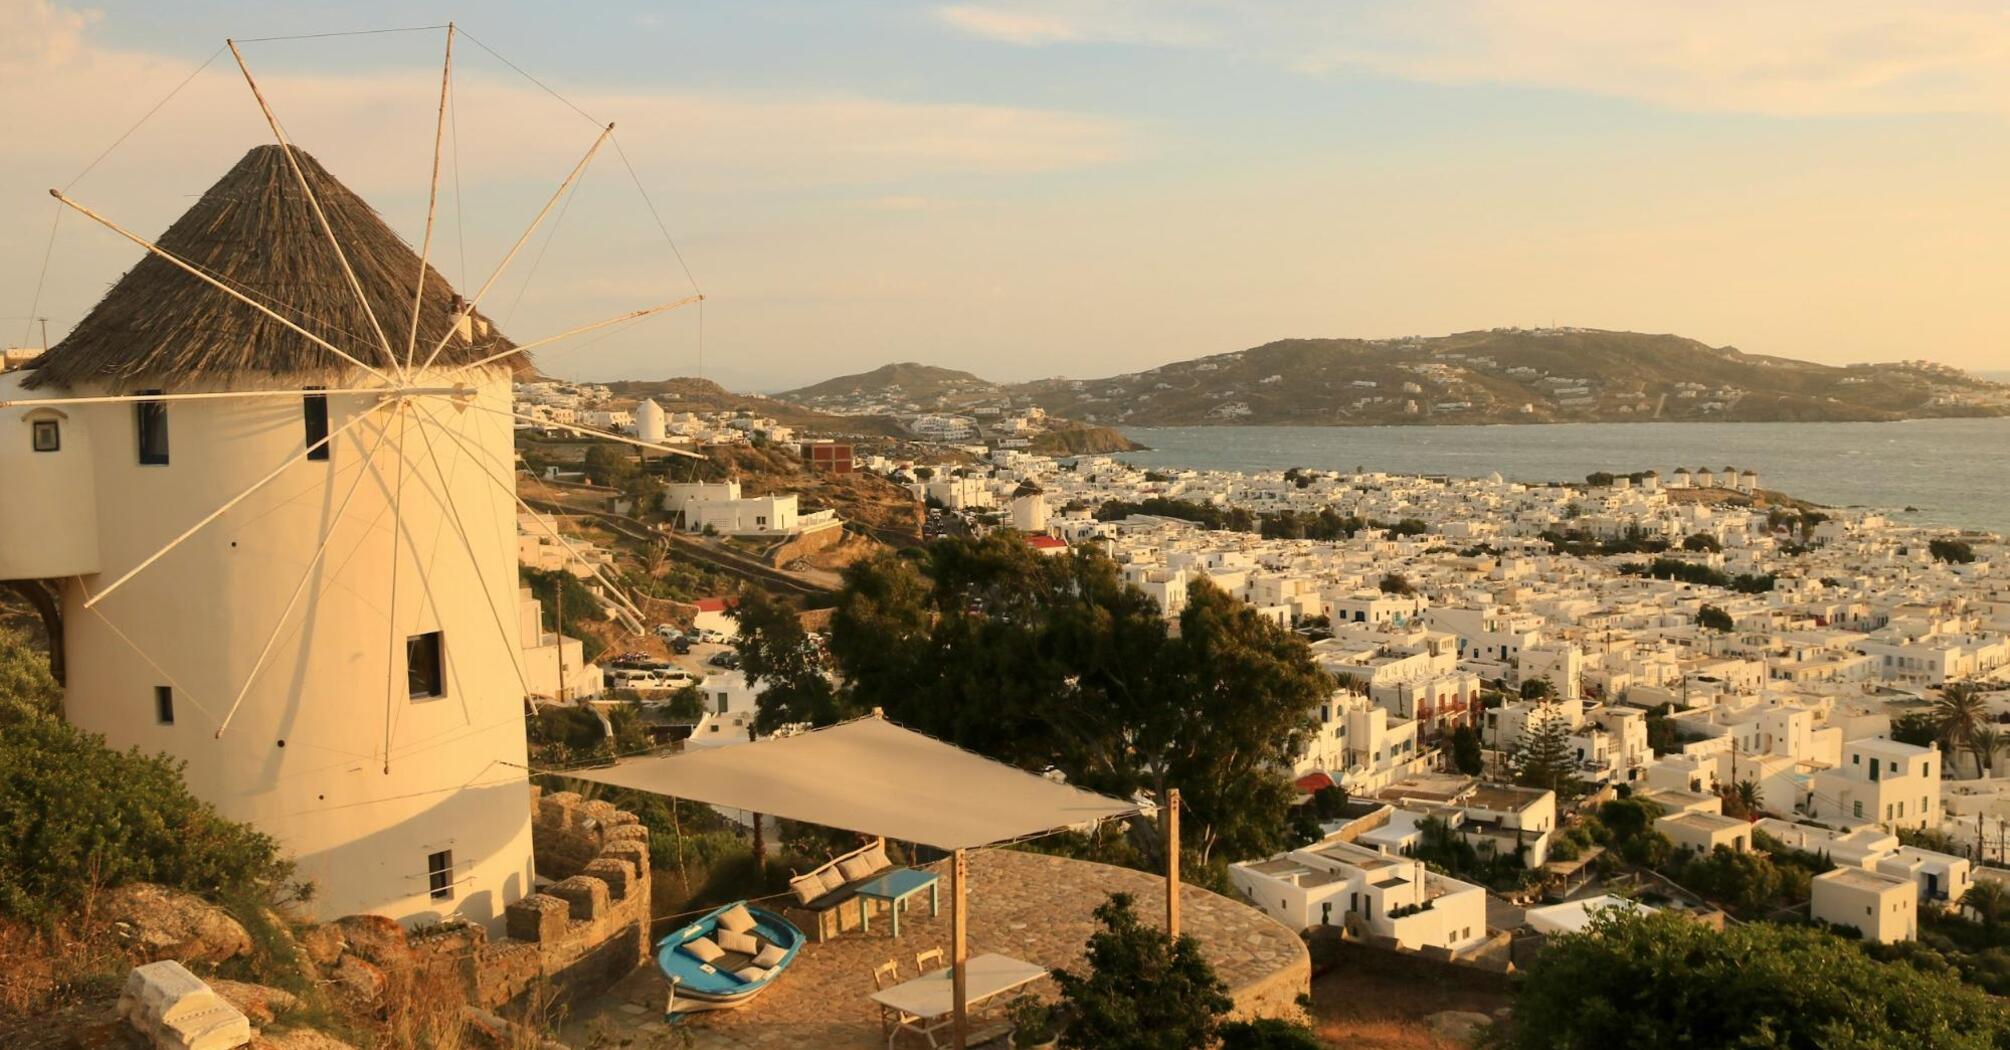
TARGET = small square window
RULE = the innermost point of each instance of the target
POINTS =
(164, 705)
(425, 666)
(440, 875)
(48, 435)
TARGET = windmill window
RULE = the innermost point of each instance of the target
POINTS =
(314, 410)
(425, 666)
(151, 420)
(48, 435)
(440, 874)
(164, 705)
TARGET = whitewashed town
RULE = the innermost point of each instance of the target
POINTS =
(934, 535)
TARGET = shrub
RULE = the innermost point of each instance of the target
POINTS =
(76, 815)
(1143, 990)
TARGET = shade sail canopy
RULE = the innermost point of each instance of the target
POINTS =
(870, 776)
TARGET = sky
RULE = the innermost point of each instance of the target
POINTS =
(1082, 188)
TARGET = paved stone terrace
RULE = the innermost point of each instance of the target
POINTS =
(1025, 905)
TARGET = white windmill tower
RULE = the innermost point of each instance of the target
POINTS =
(270, 479)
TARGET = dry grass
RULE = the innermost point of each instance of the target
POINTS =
(1361, 1007)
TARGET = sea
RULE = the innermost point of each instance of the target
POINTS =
(1953, 472)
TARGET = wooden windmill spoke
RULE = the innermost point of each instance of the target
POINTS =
(232, 502)
(592, 432)
(509, 485)
(220, 286)
(632, 315)
(518, 246)
(314, 202)
(432, 200)
(481, 578)
(363, 471)
(391, 615)
(219, 395)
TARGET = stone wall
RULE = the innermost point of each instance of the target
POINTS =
(587, 928)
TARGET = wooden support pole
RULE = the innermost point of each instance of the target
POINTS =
(1172, 863)
(959, 931)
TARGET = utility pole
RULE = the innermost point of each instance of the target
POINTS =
(1172, 864)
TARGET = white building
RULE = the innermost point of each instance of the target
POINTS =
(1880, 782)
(696, 506)
(651, 424)
(1390, 896)
(1884, 908)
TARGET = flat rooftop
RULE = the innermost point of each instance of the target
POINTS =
(1703, 821)
(1858, 878)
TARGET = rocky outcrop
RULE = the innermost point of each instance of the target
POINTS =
(255, 1001)
(155, 923)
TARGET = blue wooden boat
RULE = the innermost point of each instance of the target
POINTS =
(722, 983)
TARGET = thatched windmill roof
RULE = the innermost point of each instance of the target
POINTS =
(255, 229)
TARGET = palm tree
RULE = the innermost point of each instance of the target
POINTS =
(1987, 900)
(1988, 740)
(1958, 715)
(1748, 795)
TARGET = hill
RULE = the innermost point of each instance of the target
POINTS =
(897, 385)
(1511, 376)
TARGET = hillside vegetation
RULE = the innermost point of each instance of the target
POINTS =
(1494, 376)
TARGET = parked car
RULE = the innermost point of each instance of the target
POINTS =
(680, 645)
(668, 632)
(712, 637)
(726, 659)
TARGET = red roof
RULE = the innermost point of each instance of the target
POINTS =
(1045, 543)
(1314, 782)
(712, 604)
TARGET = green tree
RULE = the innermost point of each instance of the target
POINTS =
(610, 465)
(1701, 541)
(1142, 991)
(1467, 755)
(1543, 756)
(1664, 980)
(1397, 583)
(1537, 689)
(1057, 662)
(1956, 552)
(781, 659)
(1713, 618)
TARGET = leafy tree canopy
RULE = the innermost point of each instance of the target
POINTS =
(1663, 980)
(1142, 991)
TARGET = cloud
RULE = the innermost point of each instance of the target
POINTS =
(1775, 57)
(1010, 26)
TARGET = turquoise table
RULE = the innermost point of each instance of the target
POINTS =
(894, 888)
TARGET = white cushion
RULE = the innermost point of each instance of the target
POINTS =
(737, 919)
(750, 974)
(770, 955)
(807, 887)
(875, 857)
(854, 868)
(743, 943)
(704, 949)
(831, 878)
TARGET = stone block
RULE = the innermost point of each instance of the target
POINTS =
(175, 1010)
(617, 874)
(632, 853)
(538, 917)
(586, 895)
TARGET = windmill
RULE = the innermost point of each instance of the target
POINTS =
(266, 487)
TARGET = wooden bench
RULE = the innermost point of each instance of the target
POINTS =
(824, 897)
